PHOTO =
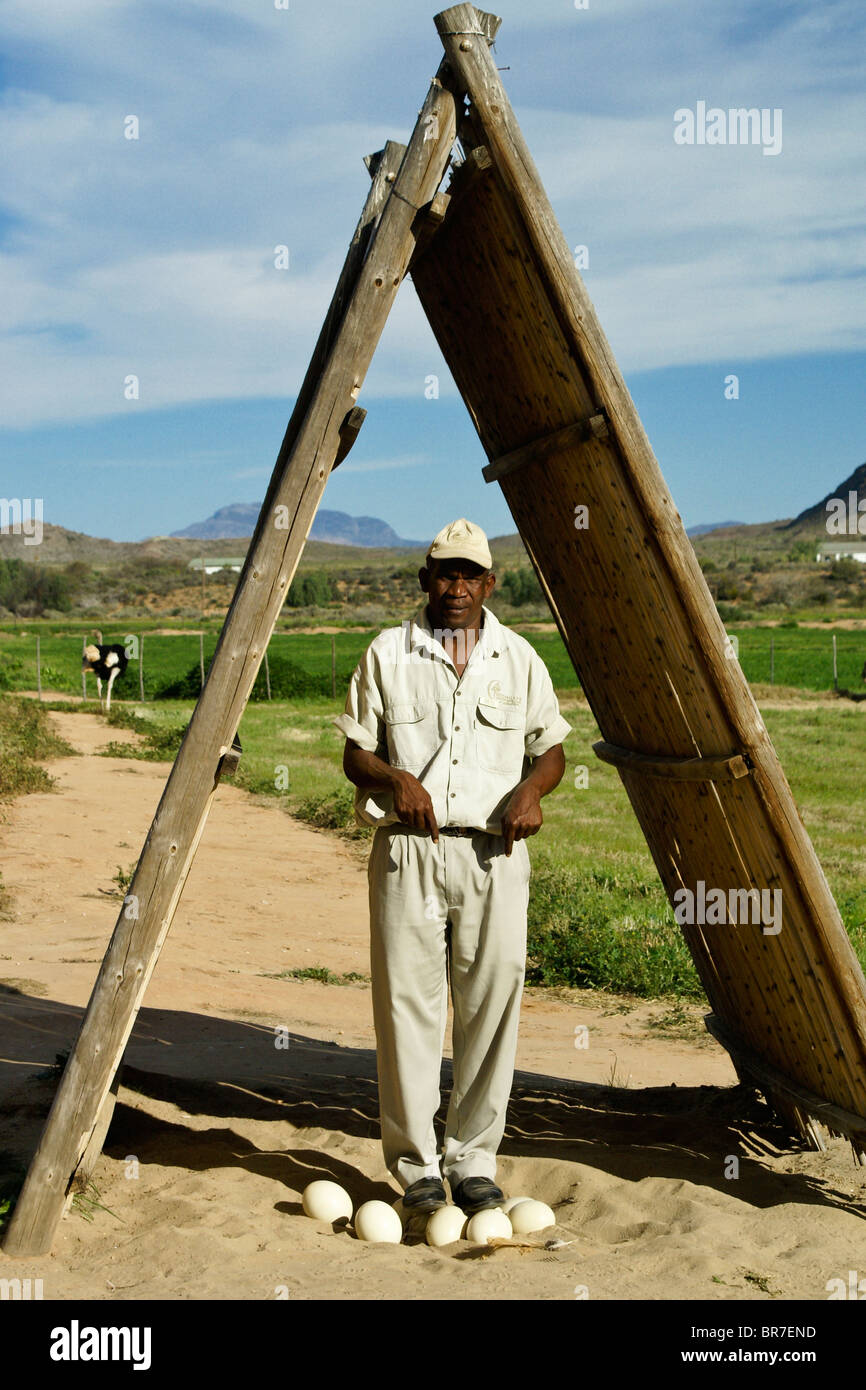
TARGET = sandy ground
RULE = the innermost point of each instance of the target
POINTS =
(218, 1129)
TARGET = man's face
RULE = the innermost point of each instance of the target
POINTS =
(456, 591)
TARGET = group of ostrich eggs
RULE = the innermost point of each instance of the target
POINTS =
(376, 1221)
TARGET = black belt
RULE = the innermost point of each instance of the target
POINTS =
(462, 830)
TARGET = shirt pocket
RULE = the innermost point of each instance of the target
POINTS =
(413, 734)
(500, 739)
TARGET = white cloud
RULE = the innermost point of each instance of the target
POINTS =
(156, 256)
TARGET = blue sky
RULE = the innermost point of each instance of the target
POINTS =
(155, 256)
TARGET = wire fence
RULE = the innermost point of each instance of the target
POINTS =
(174, 665)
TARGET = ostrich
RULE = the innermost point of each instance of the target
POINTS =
(106, 663)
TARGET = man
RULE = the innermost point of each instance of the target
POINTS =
(453, 735)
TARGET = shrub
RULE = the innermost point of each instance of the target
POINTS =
(606, 931)
(519, 586)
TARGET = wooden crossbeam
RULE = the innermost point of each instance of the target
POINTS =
(548, 446)
(696, 769)
(322, 424)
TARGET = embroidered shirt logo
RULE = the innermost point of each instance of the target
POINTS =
(496, 697)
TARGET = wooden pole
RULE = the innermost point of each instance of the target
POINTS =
(201, 657)
(141, 666)
(524, 345)
(38, 669)
(377, 261)
(83, 672)
(333, 665)
(835, 672)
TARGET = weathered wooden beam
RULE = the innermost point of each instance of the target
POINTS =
(526, 350)
(230, 760)
(547, 447)
(481, 22)
(680, 769)
(428, 222)
(805, 1106)
(377, 261)
(349, 431)
(467, 173)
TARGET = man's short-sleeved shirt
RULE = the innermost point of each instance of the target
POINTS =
(467, 739)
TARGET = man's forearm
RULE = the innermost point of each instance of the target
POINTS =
(546, 771)
(367, 771)
(412, 802)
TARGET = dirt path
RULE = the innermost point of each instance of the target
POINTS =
(265, 894)
(226, 1127)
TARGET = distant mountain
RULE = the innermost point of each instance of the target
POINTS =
(239, 520)
(817, 516)
(704, 529)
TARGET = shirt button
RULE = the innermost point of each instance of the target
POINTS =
(453, 794)
(454, 761)
(457, 728)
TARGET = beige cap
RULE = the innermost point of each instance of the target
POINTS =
(464, 540)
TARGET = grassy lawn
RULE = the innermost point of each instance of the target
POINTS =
(803, 657)
(598, 915)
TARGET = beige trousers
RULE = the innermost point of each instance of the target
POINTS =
(453, 911)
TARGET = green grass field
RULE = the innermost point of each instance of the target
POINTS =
(598, 914)
(802, 657)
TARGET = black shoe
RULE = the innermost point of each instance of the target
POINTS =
(477, 1194)
(427, 1194)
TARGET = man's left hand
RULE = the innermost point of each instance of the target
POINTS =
(522, 816)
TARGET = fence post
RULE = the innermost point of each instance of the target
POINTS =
(201, 656)
(38, 669)
(835, 673)
(141, 666)
(83, 672)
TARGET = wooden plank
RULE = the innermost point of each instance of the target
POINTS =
(428, 222)
(477, 75)
(681, 769)
(547, 447)
(90, 1157)
(772, 1082)
(521, 338)
(377, 261)
(349, 431)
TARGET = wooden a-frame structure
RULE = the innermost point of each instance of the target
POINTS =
(499, 287)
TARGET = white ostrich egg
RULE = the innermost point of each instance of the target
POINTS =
(529, 1216)
(485, 1225)
(326, 1201)
(512, 1202)
(378, 1222)
(445, 1225)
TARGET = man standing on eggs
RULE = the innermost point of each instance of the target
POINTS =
(453, 735)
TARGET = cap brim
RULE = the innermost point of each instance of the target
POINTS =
(456, 554)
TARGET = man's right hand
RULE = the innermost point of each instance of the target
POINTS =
(413, 804)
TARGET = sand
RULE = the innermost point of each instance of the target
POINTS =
(669, 1182)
